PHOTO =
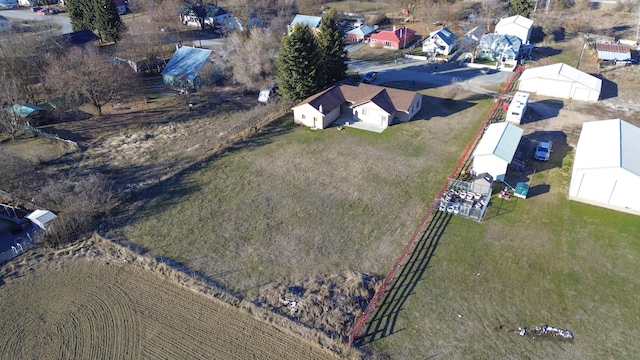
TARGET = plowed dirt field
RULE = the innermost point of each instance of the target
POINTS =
(88, 309)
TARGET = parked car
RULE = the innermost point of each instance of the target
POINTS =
(36, 8)
(543, 150)
(370, 77)
(43, 12)
(268, 94)
(485, 70)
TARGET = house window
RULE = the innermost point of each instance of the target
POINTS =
(303, 117)
(387, 43)
(365, 112)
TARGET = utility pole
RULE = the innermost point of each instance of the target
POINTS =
(581, 53)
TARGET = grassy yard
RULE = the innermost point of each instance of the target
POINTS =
(543, 260)
(295, 202)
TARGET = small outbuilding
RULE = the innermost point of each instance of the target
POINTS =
(560, 81)
(42, 218)
(606, 168)
(496, 149)
(516, 25)
(184, 67)
(361, 33)
(616, 52)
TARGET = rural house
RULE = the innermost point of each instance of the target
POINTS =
(395, 39)
(312, 22)
(361, 33)
(374, 106)
(606, 167)
(503, 49)
(184, 69)
(212, 15)
(560, 81)
(440, 42)
(515, 25)
(616, 52)
(496, 149)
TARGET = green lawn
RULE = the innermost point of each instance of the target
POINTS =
(543, 260)
(295, 202)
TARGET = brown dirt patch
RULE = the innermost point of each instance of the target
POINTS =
(97, 300)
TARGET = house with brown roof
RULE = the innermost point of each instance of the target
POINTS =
(372, 107)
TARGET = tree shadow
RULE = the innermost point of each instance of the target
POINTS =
(385, 319)
(438, 107)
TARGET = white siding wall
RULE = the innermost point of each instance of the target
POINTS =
(615, 188)
(490, 164)
(371, 115)
(305, 115)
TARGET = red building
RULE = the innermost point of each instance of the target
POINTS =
(393, 39)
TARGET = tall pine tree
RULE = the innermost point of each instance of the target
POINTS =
(100, 15)
(299, 72)
(334, 56)
(107, 20)
(81, 14)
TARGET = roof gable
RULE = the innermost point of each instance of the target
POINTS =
(362, 30)
(186, 61)
(515, 20)
(311, 21)
(608, 144)
(561, 70)
(445, 35)
(501, 140)
(389, 99)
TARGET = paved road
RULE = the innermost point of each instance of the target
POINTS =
(434, 75)
(20, 14)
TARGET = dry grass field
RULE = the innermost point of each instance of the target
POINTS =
(97, 300)
(259, 207)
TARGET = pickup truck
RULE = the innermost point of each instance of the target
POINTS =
(543, 150)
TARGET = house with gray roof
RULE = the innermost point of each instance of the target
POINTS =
(366, 106)
(440, 42)
(504, 49)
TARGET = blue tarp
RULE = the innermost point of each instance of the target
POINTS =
(184, 65)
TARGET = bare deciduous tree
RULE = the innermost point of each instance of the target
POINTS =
(9, 95)
(251, 61)
(84, 75)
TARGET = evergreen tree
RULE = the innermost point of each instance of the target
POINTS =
(100, 15)
(334, 56)
(81, 14)
(520, 7)
(107, 20)
(299, 73)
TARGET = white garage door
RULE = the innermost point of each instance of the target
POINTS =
(555, 88)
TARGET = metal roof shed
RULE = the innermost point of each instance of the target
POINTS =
(183, 67)
(496, 149)
(41, 218)
(606, 168)
(613, 52)
(560, 81)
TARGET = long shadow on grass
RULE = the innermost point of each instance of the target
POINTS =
(384, 321)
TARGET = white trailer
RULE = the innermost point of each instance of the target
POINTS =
(517, 107)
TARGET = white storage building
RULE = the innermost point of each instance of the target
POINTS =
(561, 81)
(516, 25)
(517, 107)
(496, 149)
(606, 168)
